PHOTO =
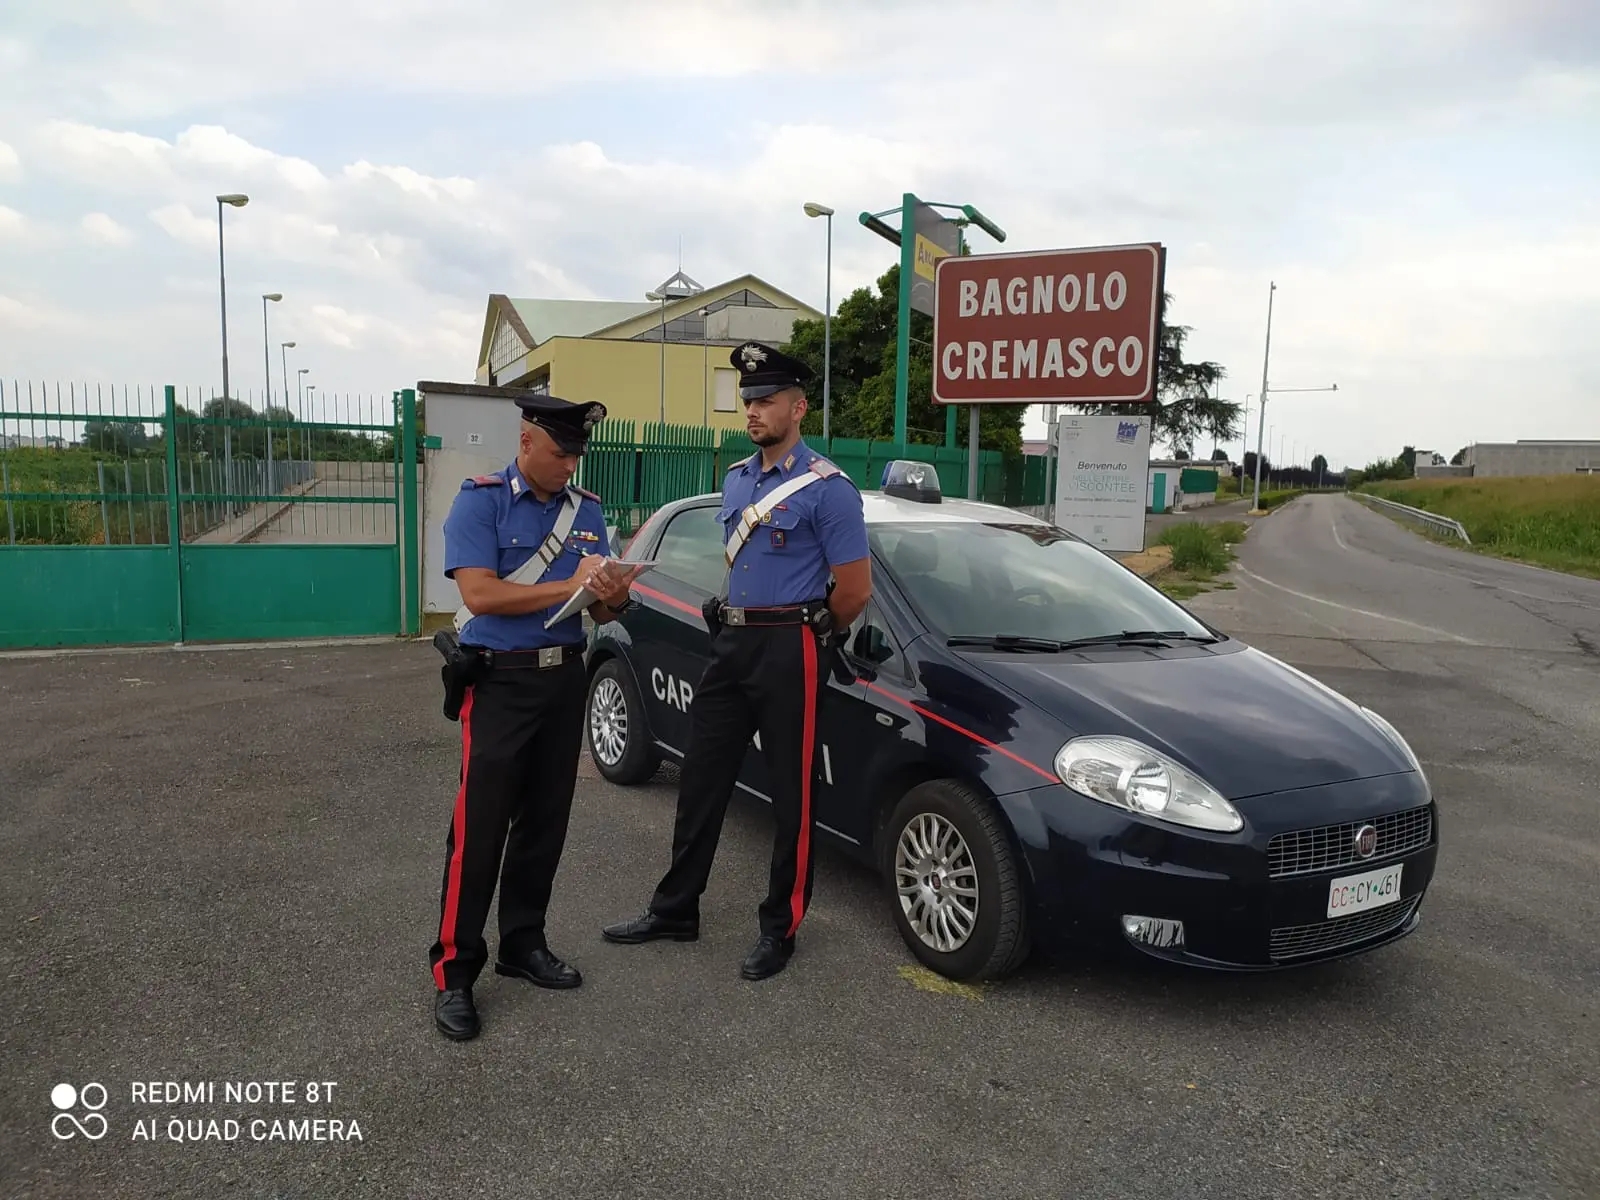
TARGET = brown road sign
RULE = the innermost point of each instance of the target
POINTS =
(1048, 326)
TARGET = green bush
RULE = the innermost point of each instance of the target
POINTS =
(1195, 547)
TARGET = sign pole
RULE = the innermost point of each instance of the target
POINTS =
(972, 450)
(902, 354)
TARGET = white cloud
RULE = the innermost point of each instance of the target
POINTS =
(1416, 177)
(105, 230)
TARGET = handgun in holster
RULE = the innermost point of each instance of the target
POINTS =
(462, 668)
(711, 610)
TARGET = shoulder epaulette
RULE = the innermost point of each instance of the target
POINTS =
(735, 466)
(585, 492)
(478, 481)
(824, 468)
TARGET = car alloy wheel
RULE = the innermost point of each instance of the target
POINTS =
(954, 881)
(937, 882)
(608, 721)
(618, 726)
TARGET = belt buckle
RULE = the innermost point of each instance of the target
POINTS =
(733, 616)
(550, 656)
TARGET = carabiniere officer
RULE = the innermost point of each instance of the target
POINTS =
(522, 717)
(790, 519)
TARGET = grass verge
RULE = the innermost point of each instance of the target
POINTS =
(1547, 520)
(1200, 552)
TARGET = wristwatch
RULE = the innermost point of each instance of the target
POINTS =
(822, 623)
(628, 605)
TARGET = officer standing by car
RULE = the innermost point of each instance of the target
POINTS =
(790, 518)
(522, 713)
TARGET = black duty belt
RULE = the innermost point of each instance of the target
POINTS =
(541, 659)
(781, 614)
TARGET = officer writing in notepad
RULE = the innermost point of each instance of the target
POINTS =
(522, 716)
(790, 520)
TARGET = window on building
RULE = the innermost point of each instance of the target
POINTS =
(727, 391)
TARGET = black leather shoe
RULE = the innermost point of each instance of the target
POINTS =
(649, 927)
(769, 956)
(541, 967)
(455, 1014)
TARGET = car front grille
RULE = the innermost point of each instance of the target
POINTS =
(1330, 847)
(1325, 937)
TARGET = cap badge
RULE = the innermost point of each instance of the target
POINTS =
(752, 356)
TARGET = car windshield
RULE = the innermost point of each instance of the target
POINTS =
(967, 579)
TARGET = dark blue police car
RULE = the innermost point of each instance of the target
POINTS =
(1034, 746)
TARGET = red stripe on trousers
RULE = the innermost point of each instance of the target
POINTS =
(797, 899)
(452, 895)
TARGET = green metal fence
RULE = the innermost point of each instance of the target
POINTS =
(159, 514)
(636, 470)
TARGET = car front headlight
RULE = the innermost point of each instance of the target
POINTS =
(1129, 775)
(1400, 743)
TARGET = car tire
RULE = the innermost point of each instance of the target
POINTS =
(965, 825)
(616, 728)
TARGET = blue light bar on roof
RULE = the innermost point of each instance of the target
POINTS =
(912, 480)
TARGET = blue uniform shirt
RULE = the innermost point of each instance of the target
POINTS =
(787, 560)
(498, 523)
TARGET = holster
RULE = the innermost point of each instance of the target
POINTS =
(709, 611)
(462, 668)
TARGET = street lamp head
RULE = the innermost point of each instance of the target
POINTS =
(237, 199)
(818, 210)
(983, 223)
(287, 345)
(303, 370)
(272, 296)
(653, 296)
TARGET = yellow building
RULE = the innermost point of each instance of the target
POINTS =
(646, 361)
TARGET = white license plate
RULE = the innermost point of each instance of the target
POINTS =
(1356, 893)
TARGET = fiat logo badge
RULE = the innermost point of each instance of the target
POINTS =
(1366, 841)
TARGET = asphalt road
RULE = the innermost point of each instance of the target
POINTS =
(224, 865)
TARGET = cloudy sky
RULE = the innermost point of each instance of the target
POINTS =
(1420, 178)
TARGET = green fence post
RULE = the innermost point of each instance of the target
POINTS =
(411, 618)
(174, 511)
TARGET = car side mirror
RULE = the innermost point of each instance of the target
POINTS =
(872, 645)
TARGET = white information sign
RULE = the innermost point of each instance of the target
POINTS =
(1103, 479)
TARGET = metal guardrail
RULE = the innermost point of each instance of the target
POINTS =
(1433, 520)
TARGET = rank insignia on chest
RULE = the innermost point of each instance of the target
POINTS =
(583, 535)
(777, 537)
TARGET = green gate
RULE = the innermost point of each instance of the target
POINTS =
(132, 518)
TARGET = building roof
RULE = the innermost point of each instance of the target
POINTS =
(546, 319)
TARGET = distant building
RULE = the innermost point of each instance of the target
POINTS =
(1527, 457)
(642, 359)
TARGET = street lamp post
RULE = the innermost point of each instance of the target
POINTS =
(283, 349)
(822, 210)
(705, 370)
(662, 296)
(234, 200)
(1261, 421)
(266, 358)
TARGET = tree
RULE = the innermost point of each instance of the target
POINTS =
(1459, 457)
(1219, 455)
(1184, 409)
(1319, 467)
(862, 384)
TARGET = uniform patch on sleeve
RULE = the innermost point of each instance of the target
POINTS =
(824, 468)
(478, 481)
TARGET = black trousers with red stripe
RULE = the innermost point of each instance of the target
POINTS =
(766, 680)
(521, 733)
